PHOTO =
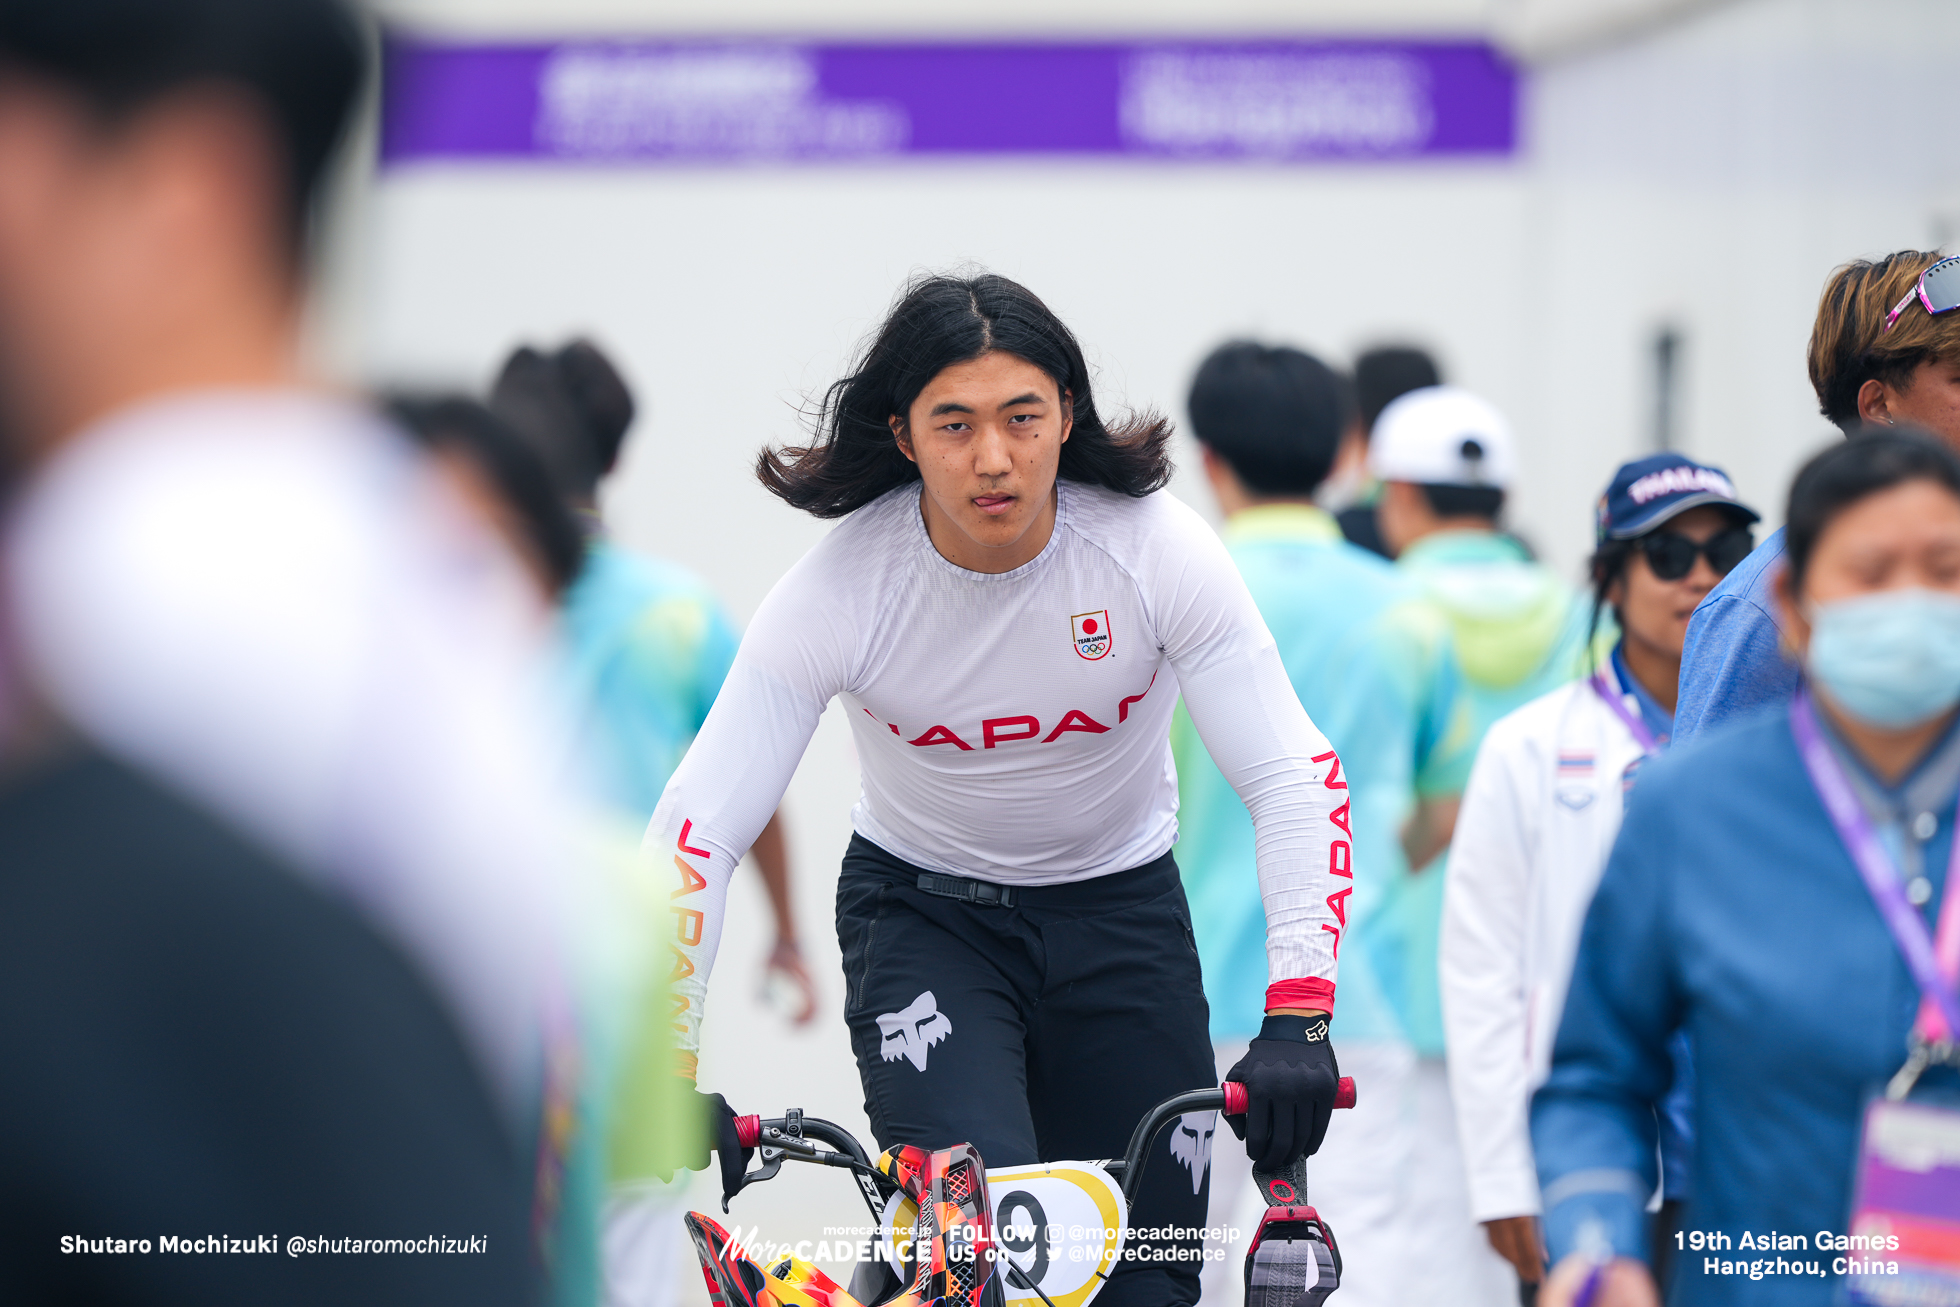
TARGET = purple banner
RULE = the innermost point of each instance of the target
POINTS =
(686, 102)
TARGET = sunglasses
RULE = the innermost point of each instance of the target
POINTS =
(1938, 288)
(1672, 556)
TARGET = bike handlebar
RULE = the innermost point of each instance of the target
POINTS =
(1230, 1098)
(748, 1129)
(1235, 1101)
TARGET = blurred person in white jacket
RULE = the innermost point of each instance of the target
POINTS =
(1540, 814)
(246, 586)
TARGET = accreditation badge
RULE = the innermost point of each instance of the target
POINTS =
(1904, 1249)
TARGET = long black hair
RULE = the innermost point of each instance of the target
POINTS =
(940, 321)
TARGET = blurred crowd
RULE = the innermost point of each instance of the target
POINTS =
(330, 723)
(1618, 971)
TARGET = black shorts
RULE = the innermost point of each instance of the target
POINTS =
(1039, 1032)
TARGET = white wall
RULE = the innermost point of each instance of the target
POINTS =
(1707, 174)
(1712, 175)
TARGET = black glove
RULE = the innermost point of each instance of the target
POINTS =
(719, 1118)
(1290, 1077)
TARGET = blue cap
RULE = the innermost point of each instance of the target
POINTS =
(1649, 491)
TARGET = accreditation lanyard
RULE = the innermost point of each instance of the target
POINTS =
(1934, 964)
(1615, 699)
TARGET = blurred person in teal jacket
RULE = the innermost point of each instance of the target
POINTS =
(1375, 675)
(1517, 631)
(648, 642)
(625, 1105)
(647, 646)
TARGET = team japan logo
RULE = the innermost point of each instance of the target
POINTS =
(1090, 631)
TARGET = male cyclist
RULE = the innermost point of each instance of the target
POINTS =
(1008, 612)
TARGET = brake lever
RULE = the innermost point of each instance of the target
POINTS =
(749, 1131)
(772, 1145)
(772, 1163)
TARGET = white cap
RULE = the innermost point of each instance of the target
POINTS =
(1442, 436)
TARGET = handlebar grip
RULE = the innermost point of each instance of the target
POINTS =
(748, 1130)
(1235, 1099)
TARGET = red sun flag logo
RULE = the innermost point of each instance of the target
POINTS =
(1090, 634)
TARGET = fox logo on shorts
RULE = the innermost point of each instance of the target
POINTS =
(910, 1033)
(1191, 1144)
(1090, 632)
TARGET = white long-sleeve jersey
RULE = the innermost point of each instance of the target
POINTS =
(1014, 726)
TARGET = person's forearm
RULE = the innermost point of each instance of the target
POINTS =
(771, 853)
(1430, 829)
(1516, 1240)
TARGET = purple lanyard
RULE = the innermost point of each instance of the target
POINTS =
(1611, 695)
(1939, 1014)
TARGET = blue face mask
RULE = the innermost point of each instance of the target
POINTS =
(1891, 659)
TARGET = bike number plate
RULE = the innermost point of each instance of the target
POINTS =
(1060, 1222)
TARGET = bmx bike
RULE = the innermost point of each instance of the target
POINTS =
(956, 1234)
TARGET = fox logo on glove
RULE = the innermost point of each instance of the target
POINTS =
(1191, 1144)
(913, 1031)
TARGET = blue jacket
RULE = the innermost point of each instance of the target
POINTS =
(1733, 661)
(1730, 909)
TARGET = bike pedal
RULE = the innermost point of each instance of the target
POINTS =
(1293, 1261)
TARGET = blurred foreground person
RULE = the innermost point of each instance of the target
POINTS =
(1885, 350)
(1381, 376)
(200, 1043)
(245, 587)
(1773, 893)
(1269, 421)
(1538, 820)
(647, 647)
(642, 1124)
(1516, 630)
